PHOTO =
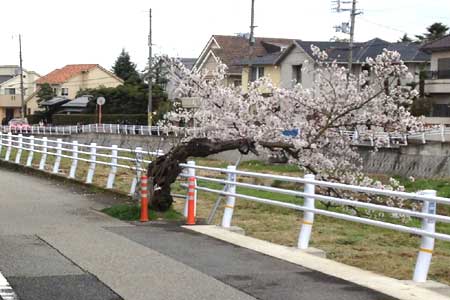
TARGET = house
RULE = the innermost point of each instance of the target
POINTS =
(231, 50)
(10, 91)
(437, 82)
(67, 81)
(288, 68)
(170, 86)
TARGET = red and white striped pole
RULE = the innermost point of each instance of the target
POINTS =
(144, 199)
(191, 201)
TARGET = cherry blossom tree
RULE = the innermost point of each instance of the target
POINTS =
(257, 121)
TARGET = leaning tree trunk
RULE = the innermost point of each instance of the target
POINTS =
(165, 169)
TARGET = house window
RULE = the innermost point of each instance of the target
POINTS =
(237, 83)
(10, 91)
(64, 92)
(444, 68)
(257, 72)
(297, 74)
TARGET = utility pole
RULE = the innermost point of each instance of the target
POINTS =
(150, 82)
(251, 40)
(22, 92)
(352, 34)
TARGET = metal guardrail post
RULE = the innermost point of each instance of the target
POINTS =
(424, 141)
(442, 128)
(9, 144)
(30, 152)
(44, 150)
(91, 170)
(73, 166)
(113, 170)
(19, 148)
(1, 140)
(427, 244)
(138, 162)
(190, 173)
(57, 156)
(231, 200)
(308, 217)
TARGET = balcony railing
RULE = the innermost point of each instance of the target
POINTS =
(439, 74)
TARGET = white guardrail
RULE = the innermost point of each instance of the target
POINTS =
(132, 159)
(368, 138)
(103, 128)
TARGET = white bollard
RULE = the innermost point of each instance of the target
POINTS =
(30, 152)
(427, 243)
(308, 217)
(73, 166)
(9, 144)
(43, 153)
(190, 173)
(19, 149)
(442, 133)
(113, 171)
(423, 138)
(231, 200)
(138, 165)
(57, 156)
(91, 170)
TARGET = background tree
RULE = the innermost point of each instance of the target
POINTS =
(434, 31)
(45, 93)
(126, 69)
(405, 39)
(338, 101)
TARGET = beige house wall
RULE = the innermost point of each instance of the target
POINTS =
(270, 71)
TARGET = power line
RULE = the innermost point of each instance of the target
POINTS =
(382, 25)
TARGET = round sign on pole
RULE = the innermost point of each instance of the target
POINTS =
(101, 101)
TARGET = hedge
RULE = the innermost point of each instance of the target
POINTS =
(73, 119)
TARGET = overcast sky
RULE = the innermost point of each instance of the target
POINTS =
(56, 33)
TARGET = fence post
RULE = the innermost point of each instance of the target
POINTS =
(58, 156)
(30, 152)
(190, 173)
(427, 244)
(1, 139)
(113, 171)
(19, 148)
(91, 171)
(442, 133)
(73, 166)
(138, 155)
(308, 217)
(423, 138)
(8, 149)
(229, 206)
(44, 153)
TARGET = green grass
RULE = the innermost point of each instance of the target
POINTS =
(132, 212)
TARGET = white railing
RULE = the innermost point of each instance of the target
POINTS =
(114, 157)
(311, 193)
(93, 154)
(365, 138)
(104, 128)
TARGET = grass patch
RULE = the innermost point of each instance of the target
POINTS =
(132, 212)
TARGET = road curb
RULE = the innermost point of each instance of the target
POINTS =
(383, 284)
(6, 291)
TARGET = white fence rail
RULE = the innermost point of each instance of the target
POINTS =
(103, 128)
(310, 195)
(24, 150)
(111, 156)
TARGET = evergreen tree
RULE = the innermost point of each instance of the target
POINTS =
(126, 69)
(45, 93)
(434, 31)
(405, 39)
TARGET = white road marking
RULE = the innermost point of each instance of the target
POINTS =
(6, 292)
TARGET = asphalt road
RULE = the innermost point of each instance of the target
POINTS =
(55, 245)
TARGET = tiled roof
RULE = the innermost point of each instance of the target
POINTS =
(235, 48)
(62, 75)
(339, 51)
(438, 45)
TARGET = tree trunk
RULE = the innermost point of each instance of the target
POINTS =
(165, 169)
